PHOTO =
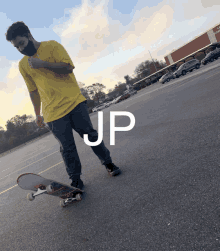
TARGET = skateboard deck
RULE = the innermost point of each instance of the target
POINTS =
(40, 185)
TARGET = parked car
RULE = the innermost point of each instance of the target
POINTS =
(211, 56)
(132, 92)
(94, 109)
(186, 67)
(123, 97)
(137, 88)
(148, 82)
(116, 99)
(98, 108)
(167, 77)
(107, 104)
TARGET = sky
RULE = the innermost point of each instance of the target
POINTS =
(106, 39)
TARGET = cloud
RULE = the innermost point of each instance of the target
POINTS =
(14, 96)
(96, 42)
(5, 66)
(209, 3)
(84, 34)
(149, 27)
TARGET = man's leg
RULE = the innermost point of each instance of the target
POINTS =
(81, 123)
(63, 132)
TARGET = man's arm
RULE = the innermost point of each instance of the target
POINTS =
(35, 98)
(60, 68)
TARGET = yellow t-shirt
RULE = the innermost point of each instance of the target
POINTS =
(59, 94)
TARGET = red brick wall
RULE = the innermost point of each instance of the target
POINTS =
(153, 69)
(167, 61)
(191, 47)
(215, 29)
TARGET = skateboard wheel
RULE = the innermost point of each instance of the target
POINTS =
(62, 203)
(30, 196)
(49, 189)
(78, 196)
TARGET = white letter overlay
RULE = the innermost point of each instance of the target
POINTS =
(112, 124)
(100, 132)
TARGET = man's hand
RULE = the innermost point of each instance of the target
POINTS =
(40, 121)
(35, 63)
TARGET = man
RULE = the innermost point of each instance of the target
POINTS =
(48, 73)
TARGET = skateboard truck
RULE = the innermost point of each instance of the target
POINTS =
(41, 189)
(67, 201)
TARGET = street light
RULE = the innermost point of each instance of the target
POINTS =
(153, 62)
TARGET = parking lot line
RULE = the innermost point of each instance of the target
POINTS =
(8, 189)
(38, 173)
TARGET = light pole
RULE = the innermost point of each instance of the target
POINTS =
(153, 61)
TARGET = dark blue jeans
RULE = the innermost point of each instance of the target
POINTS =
(79, 120)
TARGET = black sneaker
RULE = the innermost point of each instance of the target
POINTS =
(78, 183)
(112, 169)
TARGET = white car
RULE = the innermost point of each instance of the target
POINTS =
(115, 100)
(108, 104)
(94, 109)
(98, 108)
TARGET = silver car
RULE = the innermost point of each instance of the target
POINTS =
(186, 67)
(167, 77)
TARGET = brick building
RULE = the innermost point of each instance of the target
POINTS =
(199, 42)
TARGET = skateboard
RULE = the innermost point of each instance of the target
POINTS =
(40, 185)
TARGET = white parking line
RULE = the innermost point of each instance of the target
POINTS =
(29, 165)
(5, 169)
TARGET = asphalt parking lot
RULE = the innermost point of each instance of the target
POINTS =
(167, 197)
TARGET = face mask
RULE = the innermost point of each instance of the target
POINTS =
(29, 50)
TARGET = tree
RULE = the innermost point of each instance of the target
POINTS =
(120, 88)
(84, 90)
(142, 70)
(17, 126)
(128, 79)
(147, 68)
(2, 134)
(110, 90)
(95, 91)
